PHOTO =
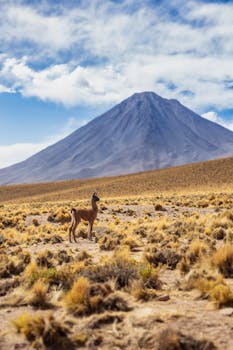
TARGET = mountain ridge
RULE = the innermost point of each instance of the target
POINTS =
(141, 133)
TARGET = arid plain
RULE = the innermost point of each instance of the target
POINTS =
(157, 275)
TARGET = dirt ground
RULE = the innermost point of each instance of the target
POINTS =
(140, 328)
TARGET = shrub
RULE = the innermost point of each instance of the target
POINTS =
(121, 268)
(219, 233)
(149, 277)
(13, 265)
(44, 332)
(132, 242)
(82, 233)
(223, 260)
(140, 292)
(79, 339)
(38, 295)
(82, 256)
(214, 288)
(35, 222)
(221, 295)
(64, 277)
(2, 238)
(116, 302)
(9, 285)
(60, 216)
(196, 250)
(98, 321)
(45, 259)
(141, 231)
(170, 339)
(110, 240)
(169, 257)
(159, 207)
(77, 299)
(184, 265)
(4, 271)
(84, 298)
(30, 270)
(49, 275)
(63, 257)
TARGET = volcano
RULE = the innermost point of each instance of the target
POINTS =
(143, 132)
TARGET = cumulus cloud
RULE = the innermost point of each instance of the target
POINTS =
(14, 153)
(94, 56)
(76, 85)
(23, 23)
(214, 117)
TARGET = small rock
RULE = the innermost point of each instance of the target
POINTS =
(227, 311)
(164, 298)
(20, 346)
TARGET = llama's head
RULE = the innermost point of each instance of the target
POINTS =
(95, 198)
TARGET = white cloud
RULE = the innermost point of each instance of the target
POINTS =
(100, 52)
(214, 117)
(75, 85)
(14, 153)
(111, 51)
(64, 83)
(6, 89)
(24, 23)
(11, 154)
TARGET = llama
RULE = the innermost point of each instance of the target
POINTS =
(85, 214)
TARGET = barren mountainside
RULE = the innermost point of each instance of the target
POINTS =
(143, 132)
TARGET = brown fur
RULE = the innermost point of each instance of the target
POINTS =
(84, 214)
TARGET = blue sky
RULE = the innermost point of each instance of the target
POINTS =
(64, 62)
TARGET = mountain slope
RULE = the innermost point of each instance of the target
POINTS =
(143, 132)
(211, 176)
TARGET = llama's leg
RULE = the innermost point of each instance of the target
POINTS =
(70, 231)
(74, 228)
(90, 230)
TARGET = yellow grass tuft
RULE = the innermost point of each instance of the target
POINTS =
(215, 289)
(38, 294)
(221, 295)
(223, 260)
(43, 331)
(197, 249)
(30, 270)
(150, 276)
(77, 299)
(29, 326)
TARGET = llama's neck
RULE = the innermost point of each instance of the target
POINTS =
(94, 205)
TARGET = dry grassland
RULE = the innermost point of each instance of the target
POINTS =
(207, 176)
(158, 275)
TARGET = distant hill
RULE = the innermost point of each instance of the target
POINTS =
(143, 132)
(212, 176)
